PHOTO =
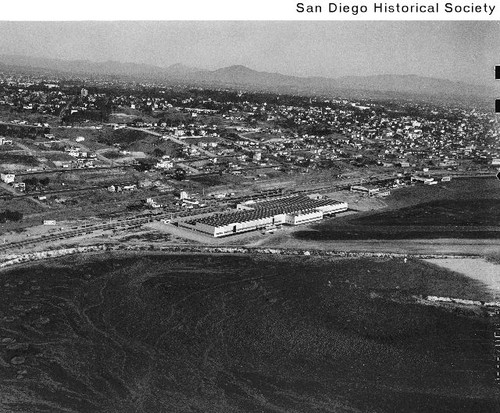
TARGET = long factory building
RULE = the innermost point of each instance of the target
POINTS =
(292, 210)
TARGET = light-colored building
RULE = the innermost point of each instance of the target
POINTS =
(305, 217)
(152, 203)
(423, 179)
(384, 192)
(20, 186)
(7, 178)
(293, 210)
(164, 164)
(5, 141)
(370, 190)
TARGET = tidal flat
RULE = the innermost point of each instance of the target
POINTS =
(147, 332)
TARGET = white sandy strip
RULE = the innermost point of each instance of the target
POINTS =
(476, 268)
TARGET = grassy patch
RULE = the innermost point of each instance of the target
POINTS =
(14, 158)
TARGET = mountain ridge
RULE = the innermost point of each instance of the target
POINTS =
(240, 75)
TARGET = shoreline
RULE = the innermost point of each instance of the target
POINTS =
(438, 301)
(23, 258)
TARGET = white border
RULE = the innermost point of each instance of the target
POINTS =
(151, 10)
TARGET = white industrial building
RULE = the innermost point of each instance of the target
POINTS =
(294, 210)
(305, 217)
(423, 179)
(370, 190)
(7, 178)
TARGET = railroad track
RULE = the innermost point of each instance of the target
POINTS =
(121, 223)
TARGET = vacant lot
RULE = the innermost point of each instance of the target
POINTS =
(465, 208)
(457, 189)
(19, 159)
(470, 212)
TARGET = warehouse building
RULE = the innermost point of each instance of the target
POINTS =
(370, 190)
(250, 216)
(422, 179)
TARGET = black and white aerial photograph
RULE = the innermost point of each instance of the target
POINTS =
(249, 216)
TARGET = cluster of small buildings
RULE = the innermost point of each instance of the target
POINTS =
(121, 188)
(31, 94)
(82, 158)
(389, 135)
(429, 180)
(229, 132)
(164, 163)
(375, 135)
(10, 179)
(266, 215)
(371, 190)
(319, 132)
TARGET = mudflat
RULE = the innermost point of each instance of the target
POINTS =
(227, 333)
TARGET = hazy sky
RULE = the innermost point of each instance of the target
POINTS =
(452, 50)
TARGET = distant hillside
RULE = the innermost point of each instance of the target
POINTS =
(242, 76)
(180, 69)
(412, 84)
(81, 66)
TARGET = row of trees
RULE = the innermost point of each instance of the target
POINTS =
(22, 132)
(36, 182)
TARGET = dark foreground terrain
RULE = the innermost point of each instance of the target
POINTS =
(462, 208)
(199, 333)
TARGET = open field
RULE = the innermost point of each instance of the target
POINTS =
(401, 233)
(470, 212)
(18, 159)
(456, 189)
(219, 333)
(461, 209)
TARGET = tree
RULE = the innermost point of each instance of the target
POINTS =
(158, 153)
(9, 215)
(180, 174)
(44, 181)
(31, 181)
